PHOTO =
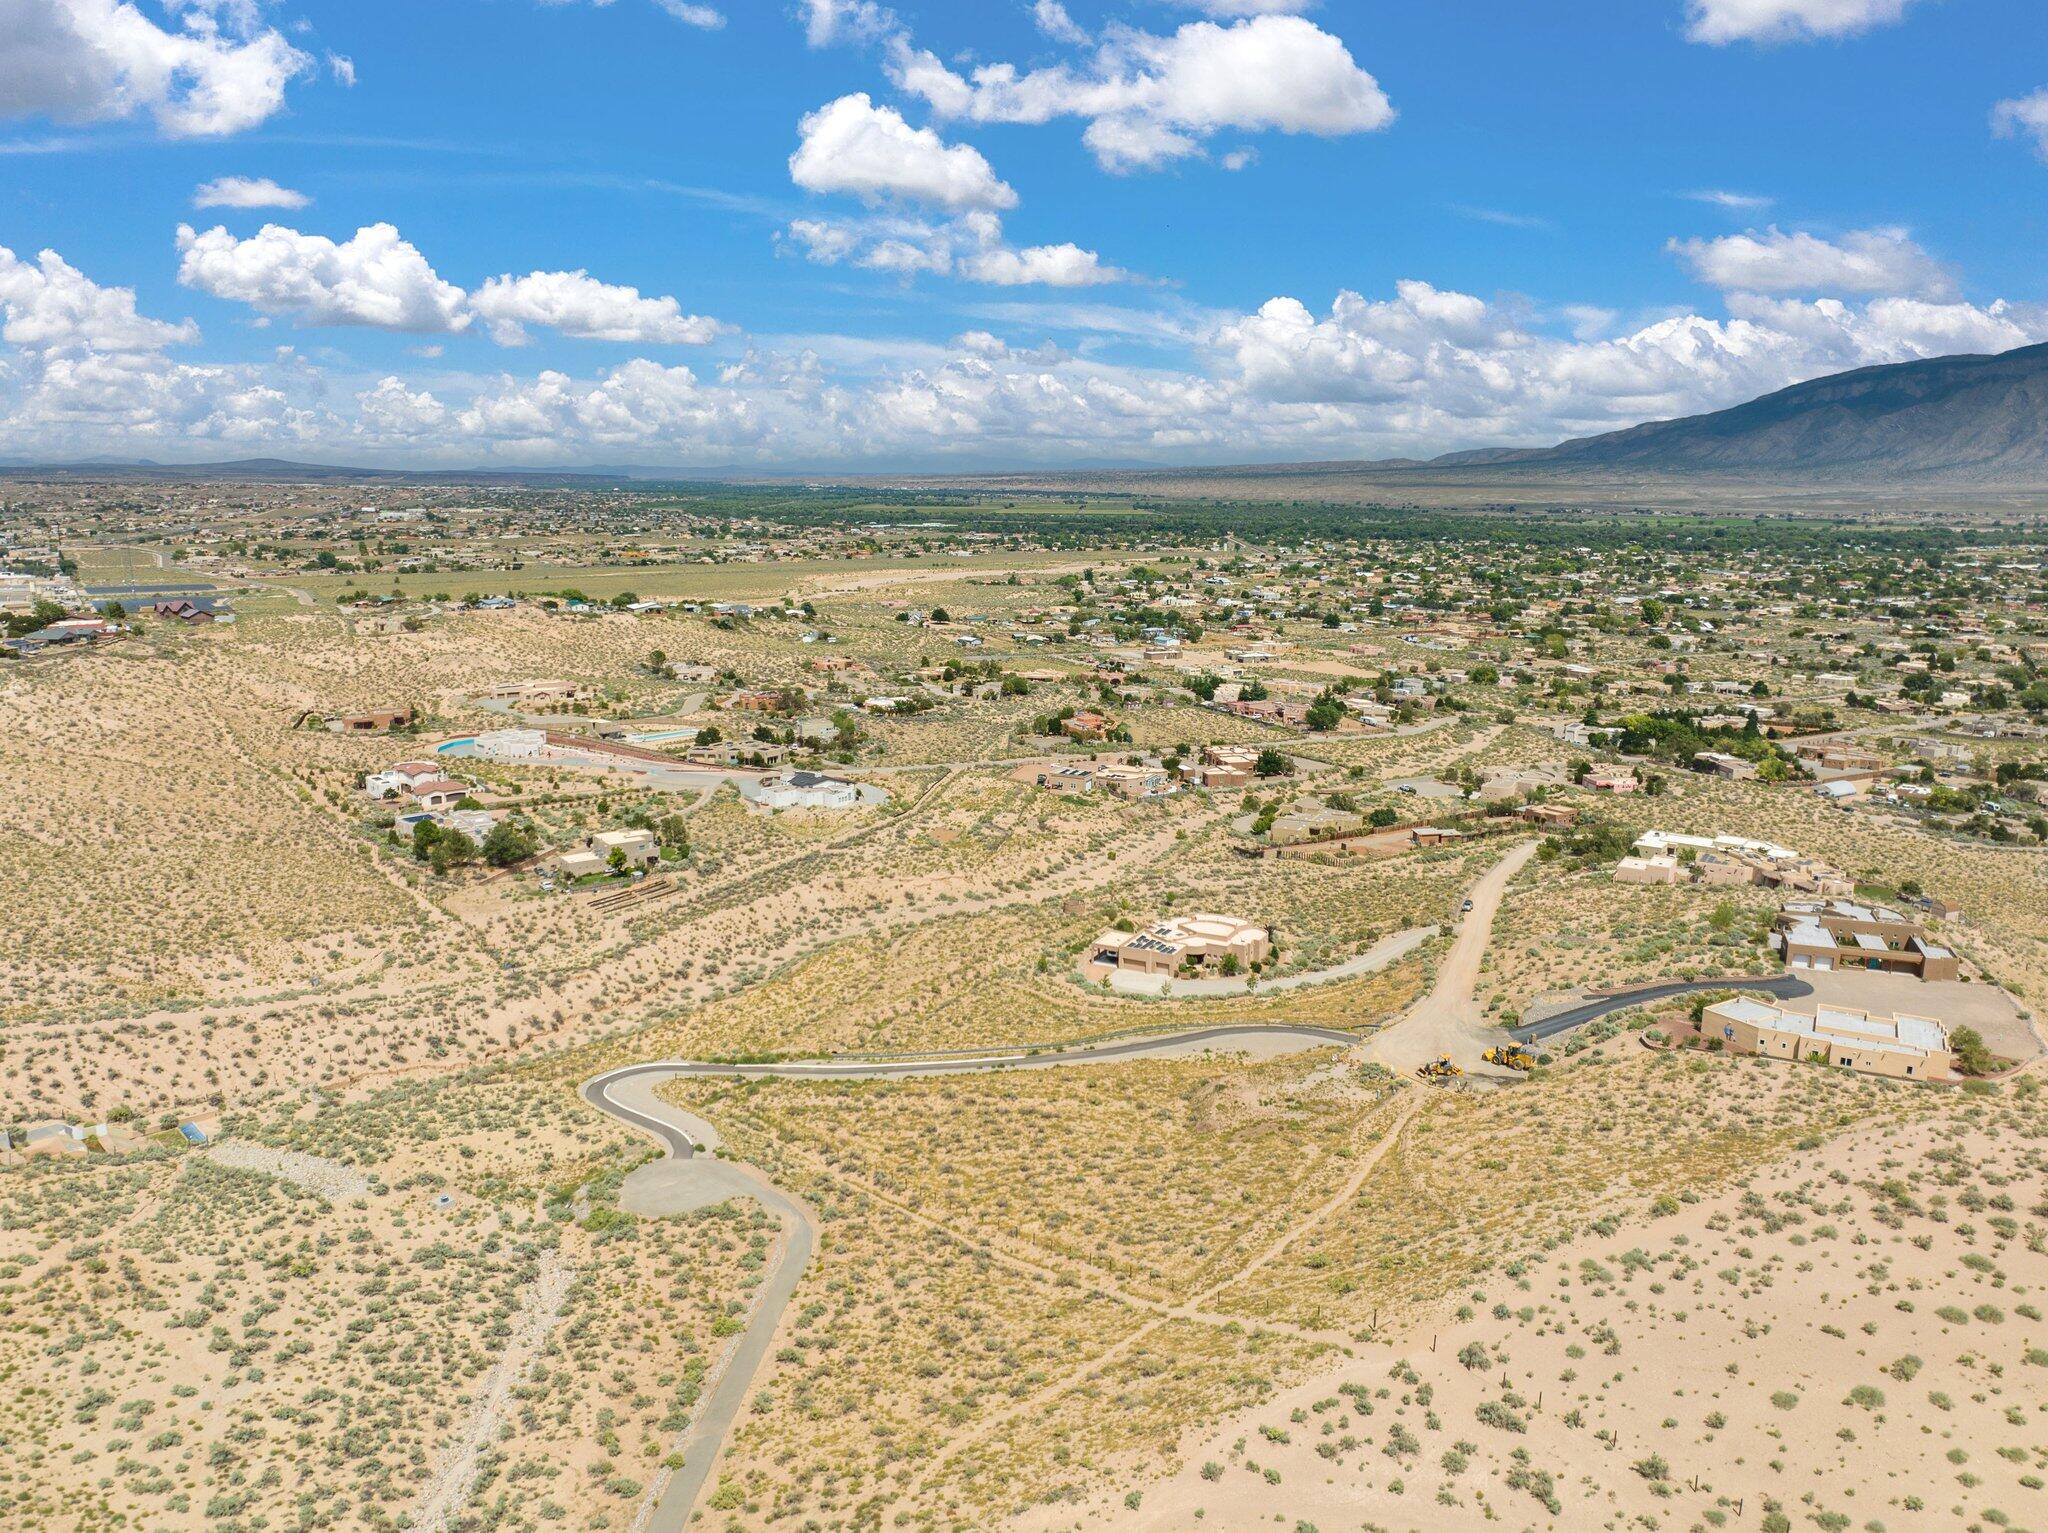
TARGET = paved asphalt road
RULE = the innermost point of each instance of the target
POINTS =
(1783, 987)
(693, 1182)
(1012, 1059)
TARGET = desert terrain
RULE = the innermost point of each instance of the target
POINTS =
(936, 1230)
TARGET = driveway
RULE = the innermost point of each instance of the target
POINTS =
(684, 1180)
(1783, 987)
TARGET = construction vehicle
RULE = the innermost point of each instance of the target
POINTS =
(1442, 1068)
(1512, 1055)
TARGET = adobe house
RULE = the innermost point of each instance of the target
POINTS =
(1193, 941)
(1902, 1046)
(1841, 934)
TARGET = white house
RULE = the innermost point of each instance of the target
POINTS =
(807, 790)
(511, 744)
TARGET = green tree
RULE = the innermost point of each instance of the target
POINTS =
(1272, 763)
(451, 849)
(507, 842)
(37, 618)
(674, 833)
(1972, 1057)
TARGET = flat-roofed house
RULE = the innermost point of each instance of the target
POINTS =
(1902, 1046)
(1224, 766)
(1835, 756)
(1072, 781)
(1178, 942)
(578, 863)
(371, 721)
(1721, 764)
(640, 847)
(1842, 934)
(1133, 781)
(1646, 870)
(53, 1137)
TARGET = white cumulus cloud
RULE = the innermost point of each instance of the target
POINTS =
(52, 306)
(390, 409)
(852, 145)
(374, 278)
(831, 22)
(1437, 367)
(1884, 261)
(1780, 21)
(2024, 117)
(577, 304)
(1150, 99)
(377, 279)
(247, 192)
(1065, 265)
(970, 247)
(214, 71)
(1052, 19)
(1420, 369)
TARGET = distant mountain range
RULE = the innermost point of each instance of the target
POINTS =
(1974, 426)
(1975, 422)
(1973, 419)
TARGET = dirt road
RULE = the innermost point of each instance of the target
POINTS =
(1448, 1019)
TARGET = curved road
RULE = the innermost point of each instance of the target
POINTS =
(1783, 987)
(683, 1180)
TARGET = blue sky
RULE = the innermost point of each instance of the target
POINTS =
(815, 232)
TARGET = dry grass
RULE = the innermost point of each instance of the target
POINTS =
(281, 1357)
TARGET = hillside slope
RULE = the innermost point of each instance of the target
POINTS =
(1980, 419)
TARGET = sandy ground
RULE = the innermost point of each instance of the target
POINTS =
(324, 1178)
(1831, 1343)
(2001, 1020)
(529, 1333)
(1448, 1020)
